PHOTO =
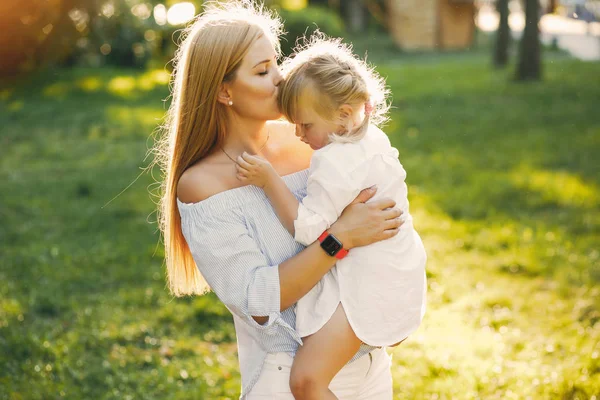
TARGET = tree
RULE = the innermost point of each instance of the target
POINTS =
(529, 66)
(355, 15)
(552, 6)
(502, 35)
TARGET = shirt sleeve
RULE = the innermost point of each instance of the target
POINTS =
(234, 267)
(329, 190)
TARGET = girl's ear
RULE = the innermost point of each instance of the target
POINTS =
(346, 113)
(224, 96)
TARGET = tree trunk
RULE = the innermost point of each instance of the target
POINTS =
(355, 15)
(502, 35)
(529, 67)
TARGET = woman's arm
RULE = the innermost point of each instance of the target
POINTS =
(359, 225)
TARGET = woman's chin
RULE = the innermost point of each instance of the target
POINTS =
(276, 115)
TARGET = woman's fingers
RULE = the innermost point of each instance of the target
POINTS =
(390, 233)
(394, 223)
(382, 204)
(391, 213)
(365, 195)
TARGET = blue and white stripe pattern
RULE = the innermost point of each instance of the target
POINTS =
(237, 243)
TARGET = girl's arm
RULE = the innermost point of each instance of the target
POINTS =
(284, 202)
(259, 172)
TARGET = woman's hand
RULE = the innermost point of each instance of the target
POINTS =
(362, 224)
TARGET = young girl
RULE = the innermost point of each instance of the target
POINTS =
(336, 100)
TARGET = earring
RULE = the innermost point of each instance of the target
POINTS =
(230, 102)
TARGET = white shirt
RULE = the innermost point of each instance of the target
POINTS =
(382, 287)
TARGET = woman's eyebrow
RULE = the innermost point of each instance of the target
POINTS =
(264, 61)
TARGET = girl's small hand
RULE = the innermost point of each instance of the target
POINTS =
(255, 170)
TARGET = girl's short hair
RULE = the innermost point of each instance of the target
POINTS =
(327, 68)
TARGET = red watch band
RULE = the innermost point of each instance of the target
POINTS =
(341, 252)
(323, 236)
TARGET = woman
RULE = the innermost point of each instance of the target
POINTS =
(222, 234)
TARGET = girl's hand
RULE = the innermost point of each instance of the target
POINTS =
(255, 170)
(362, 224)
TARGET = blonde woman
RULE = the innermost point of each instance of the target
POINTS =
(222, 233)
(336, 101)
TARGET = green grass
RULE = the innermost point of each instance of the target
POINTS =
(504, 184)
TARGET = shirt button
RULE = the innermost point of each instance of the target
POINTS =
(279, 368)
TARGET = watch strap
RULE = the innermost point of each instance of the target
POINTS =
(341, 252)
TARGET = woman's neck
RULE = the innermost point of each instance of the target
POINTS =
(249, 136)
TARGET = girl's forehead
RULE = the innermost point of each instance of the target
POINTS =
(306, 104)
(312, 104)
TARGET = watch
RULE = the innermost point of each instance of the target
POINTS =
(332, 245)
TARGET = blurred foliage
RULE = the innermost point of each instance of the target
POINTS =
(26, 30)
(300, 23)
(504, 186)
(127, 33)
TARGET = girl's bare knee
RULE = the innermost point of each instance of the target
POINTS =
(304, 385)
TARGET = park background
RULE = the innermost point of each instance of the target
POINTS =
(500, 138)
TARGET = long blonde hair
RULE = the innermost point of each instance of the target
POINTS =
(210, 53)
(329, 70)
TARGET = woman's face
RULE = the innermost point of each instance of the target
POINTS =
(253, 91)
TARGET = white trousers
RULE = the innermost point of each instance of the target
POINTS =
(368, 378)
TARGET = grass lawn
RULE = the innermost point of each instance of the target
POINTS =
(504, 183)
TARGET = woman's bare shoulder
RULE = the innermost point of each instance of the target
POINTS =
(201, 181)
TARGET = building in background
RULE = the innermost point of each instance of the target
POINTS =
(432, 24)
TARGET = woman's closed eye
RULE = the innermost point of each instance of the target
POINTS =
(265, 71)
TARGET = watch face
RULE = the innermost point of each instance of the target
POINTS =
(331, 245)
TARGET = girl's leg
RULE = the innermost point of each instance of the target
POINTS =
(322, 356)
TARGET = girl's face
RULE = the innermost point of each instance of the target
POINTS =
(253, 91)
(314, 130)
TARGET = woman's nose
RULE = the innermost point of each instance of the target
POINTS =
(298, 131)
(278, 77)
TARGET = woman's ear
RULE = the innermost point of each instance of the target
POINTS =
(224, 96)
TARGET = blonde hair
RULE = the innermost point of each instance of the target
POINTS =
(328, 68)
(210, 53)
